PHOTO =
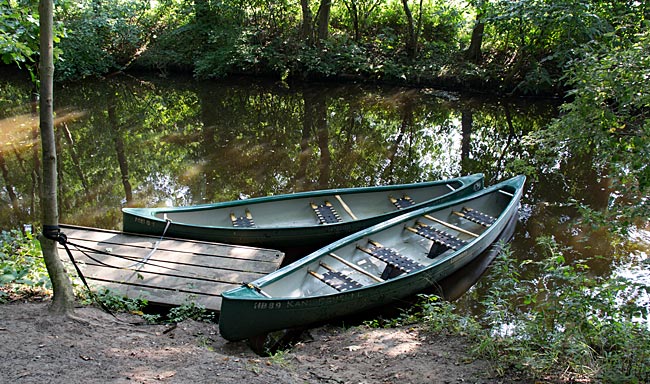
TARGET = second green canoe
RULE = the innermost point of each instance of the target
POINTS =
(300, 219)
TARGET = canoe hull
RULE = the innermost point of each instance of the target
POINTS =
(282, 236)
(246, 313)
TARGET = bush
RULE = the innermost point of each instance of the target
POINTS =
(21, 263)
(563, 318)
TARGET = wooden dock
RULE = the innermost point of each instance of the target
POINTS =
(179, 271)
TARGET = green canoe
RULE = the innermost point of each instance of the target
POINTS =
(373, 267)
(313, 218)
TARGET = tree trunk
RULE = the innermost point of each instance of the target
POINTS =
(63, 300)
(322, 136)
(324, 19)
(306, 27)
(122, 161)
(8, 185)
(467, 124)
(353, 10)
(301, 180)
(411, 38)
(474, 52)
(37, 176)
(75, 157)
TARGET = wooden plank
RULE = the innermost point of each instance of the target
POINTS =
(177, 272)
(158, 295)
(154, 280)
(164, 268)
(130, 255)
(108, 238)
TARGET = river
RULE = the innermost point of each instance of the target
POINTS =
(143, 141)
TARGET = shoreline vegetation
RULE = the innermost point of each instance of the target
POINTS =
(493, 46)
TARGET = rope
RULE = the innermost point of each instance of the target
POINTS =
(53, 232)
(144, 260)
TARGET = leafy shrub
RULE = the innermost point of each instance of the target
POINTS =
(563, 317)
(115, 302)
(190, 310)
(21, 262)
(102, 37)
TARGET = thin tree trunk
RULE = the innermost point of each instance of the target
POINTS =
(306, 27)
(324, 19)
(301, 178)
(36, 160)
(467, 123)
(63, 300)
(473, 52)
(411, 38)
(8, 186)
(353, 10)
(322, 135)
(75, 157)
(511, 135)
(407, 123)
(119, 149)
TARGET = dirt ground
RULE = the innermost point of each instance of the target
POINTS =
(36, 347)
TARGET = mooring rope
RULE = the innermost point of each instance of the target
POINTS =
(53, 232)
(144, 260)
(86, 251)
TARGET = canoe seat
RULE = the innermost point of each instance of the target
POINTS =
(242, 221)
(396, 262)
(439, 236)
(476, 216)
(403, 202)
(336, 280)
(442, 241)
(326, 213)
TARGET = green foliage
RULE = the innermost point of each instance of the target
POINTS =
(538, 38)
(563, 317)
(558, 320)
(102, 36)
(607, 119)
(190, 310)
(115, 302)
(438, 315)
(21, 262)
(19, 32)
(280, 358)
(528, 44)
(441, 316)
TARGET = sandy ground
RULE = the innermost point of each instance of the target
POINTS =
(36, 347)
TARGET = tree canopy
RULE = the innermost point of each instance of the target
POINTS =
(525, 46)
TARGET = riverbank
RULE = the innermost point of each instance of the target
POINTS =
(96, 348)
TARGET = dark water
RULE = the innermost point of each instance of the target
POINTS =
(148, 142)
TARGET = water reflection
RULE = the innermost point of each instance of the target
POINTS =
(149, 142)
